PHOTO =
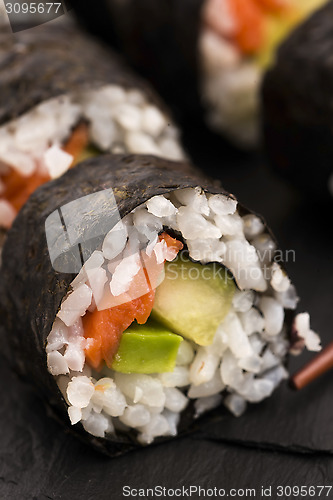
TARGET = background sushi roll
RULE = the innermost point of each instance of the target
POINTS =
(297, 106)
(64, 97)
(162, 299)
(209, 51)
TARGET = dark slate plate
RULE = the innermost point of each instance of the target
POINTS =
(38, 461)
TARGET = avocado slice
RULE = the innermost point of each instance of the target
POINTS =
(89, 152)
(277, 29)
(193, 299)
(148, 348)
(279, 26)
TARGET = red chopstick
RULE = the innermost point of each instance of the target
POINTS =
(320, 364)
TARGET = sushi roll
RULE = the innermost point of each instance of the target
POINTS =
(297, 107)
(136, 295)
(212, 52)
(64, 97)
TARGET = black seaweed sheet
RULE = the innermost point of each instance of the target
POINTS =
(56, 59)
(297, 105)
(38, 460)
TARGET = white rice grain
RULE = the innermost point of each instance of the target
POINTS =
(279, 280)
(173, 420)
(160, 206)
(57, 161)
(235, 404)
(158, 426)
(207, 250)
(75, 305)
(128, 116)
(140, 143)
(242, 259)
(253, 226)
(178, 378)
(185, 353)
(115, 241)
(75, 414)
(141, 388)
(265, 247)
(80, 391)
(230, 225)
(221, 204)
(302, 326)
(97, 424)
(170, 149)
(210, 388)
(175, 400)
(56, 363)
(252, 364)
(288, 299)
(58, 337)
(243, 300)
(238, 341)
(75, 356)
(194, 226)
(108, 396)
(204, 366)
(152, 121)
(273, 315)
(195, 199)
(252, 321)
(136, 416)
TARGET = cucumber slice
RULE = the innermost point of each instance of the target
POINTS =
(193, 299)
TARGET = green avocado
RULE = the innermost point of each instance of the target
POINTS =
(278, 27)
(193, 299)
(148, 348)
(89, 152)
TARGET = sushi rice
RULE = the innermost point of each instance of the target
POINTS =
(244, 363)
(119, 121)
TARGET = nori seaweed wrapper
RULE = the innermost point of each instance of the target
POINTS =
(159, 38)
(297, 105)
(53, 60)
(31, 290)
